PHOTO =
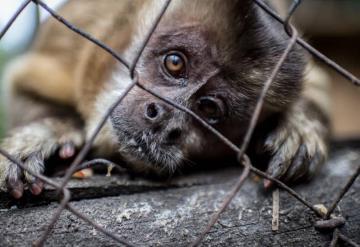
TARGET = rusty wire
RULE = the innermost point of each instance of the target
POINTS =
(78, 163)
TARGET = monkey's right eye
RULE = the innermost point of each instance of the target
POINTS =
(175, 64)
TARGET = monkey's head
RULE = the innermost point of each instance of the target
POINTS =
(212, 57)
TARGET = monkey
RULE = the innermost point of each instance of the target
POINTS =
(212, 57)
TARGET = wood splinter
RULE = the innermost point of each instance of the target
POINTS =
(275, 210)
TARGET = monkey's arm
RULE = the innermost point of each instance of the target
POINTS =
(50, 91)
(45, 129)
(298, 146)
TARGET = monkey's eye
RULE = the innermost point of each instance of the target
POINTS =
(212, 109)
(175, 64)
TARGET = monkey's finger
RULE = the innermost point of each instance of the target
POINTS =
(299, 167)
(277, 168)
(67, 150)
(13, 181)
(37, 187)
(315, 163)
(283, 152)
(16, 189)
(35, 164)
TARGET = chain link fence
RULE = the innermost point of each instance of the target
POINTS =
(325, 219)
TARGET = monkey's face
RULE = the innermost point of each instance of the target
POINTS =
(207, 68)
(181, 65)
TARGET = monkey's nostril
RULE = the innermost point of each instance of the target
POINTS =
(174, 135)
(152, 111)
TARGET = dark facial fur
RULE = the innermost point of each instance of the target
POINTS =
(230, 49)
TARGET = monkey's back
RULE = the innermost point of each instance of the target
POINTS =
(60, 62)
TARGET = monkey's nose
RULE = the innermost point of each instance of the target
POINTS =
(154, 112)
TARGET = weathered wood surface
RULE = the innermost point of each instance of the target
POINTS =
(173, 214)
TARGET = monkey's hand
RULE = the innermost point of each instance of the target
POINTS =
(298, 146)
(33, 144)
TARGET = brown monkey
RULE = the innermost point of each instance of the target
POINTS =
(210, 56)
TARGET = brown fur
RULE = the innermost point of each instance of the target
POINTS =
(68, 82)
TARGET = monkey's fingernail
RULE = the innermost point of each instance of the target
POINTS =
(267, 183)
(36, 189)
(17, 194)
(67, 151)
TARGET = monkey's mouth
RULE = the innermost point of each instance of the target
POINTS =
(144, 150)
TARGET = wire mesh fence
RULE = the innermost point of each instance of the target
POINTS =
(78, 163)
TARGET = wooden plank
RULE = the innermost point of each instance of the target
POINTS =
(162, 215)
